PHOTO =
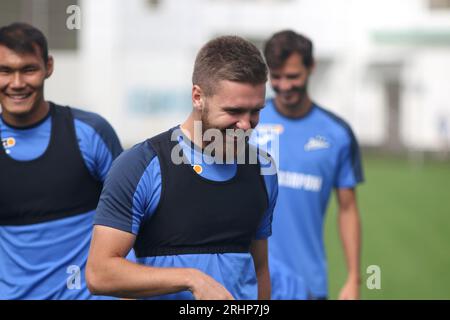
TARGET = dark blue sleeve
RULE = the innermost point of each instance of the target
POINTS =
(131, 189)
(271, 182)
(103, 129)
(350, 171)
(98, 142)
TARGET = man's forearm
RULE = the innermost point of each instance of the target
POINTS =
(350, 232)
(264, 286)
(122, 278)
(259, 252)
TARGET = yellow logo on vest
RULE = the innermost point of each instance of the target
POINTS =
(8, 142)
(197, 168)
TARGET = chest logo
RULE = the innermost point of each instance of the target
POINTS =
(317, 143)
(8, 142)
(197, 168)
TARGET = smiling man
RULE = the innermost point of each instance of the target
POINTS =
(318, 152)
(53, 162)
(199, 226)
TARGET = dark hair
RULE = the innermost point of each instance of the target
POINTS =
(24, 38)
(283, 44)
(228, 58)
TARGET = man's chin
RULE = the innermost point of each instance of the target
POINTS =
(293, 104)
(18, 110)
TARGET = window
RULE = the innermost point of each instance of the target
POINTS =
(154, 4)
(439, 4)
(49, 16)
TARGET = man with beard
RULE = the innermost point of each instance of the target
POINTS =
(198, 222)
(317, 152)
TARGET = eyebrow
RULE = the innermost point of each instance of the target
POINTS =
(291, 74)
(29, 65)
(243, 109)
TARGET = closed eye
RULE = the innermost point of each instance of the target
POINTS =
(5, 69)
(238, 111)
(29, 69)
(234, 111)
(293, 76)
(256, 111)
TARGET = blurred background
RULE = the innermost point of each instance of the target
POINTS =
(382, 65)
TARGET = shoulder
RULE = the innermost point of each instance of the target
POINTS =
(135, 160)
(129, 169)
(338, 125)
(94, 122)
(129, 187)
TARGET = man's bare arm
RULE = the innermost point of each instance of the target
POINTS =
(258, 250)
(109, 273)
(350, 232)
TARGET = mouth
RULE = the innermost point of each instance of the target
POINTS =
(18, 97)
(288, 94)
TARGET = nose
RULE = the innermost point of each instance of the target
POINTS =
(17, 81)
(285, 84)
(244, 122)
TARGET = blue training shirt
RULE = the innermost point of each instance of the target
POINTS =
(317, 153)
(47, 260)
(131, 195)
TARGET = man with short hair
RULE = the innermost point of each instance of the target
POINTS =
(197, 217)
(53, 161)
(317, 152)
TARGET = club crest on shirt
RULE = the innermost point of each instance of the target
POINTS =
(317, 143)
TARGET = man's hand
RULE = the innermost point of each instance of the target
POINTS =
(204, 287)
(350, 290)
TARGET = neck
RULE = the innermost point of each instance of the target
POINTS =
(34, 116)
(192, 131)
(294, 111)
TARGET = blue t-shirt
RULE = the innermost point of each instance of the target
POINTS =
(131, 195)
(315, 154)
(47, 260)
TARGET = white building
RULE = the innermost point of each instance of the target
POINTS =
(383, 65)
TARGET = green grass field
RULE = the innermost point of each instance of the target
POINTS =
(405, 211)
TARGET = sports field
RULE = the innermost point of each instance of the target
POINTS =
(405, 212)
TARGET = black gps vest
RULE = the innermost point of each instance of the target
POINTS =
(53, 186)
(196, 215)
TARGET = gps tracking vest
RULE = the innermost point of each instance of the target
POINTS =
(53, 186)
(196, 215)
